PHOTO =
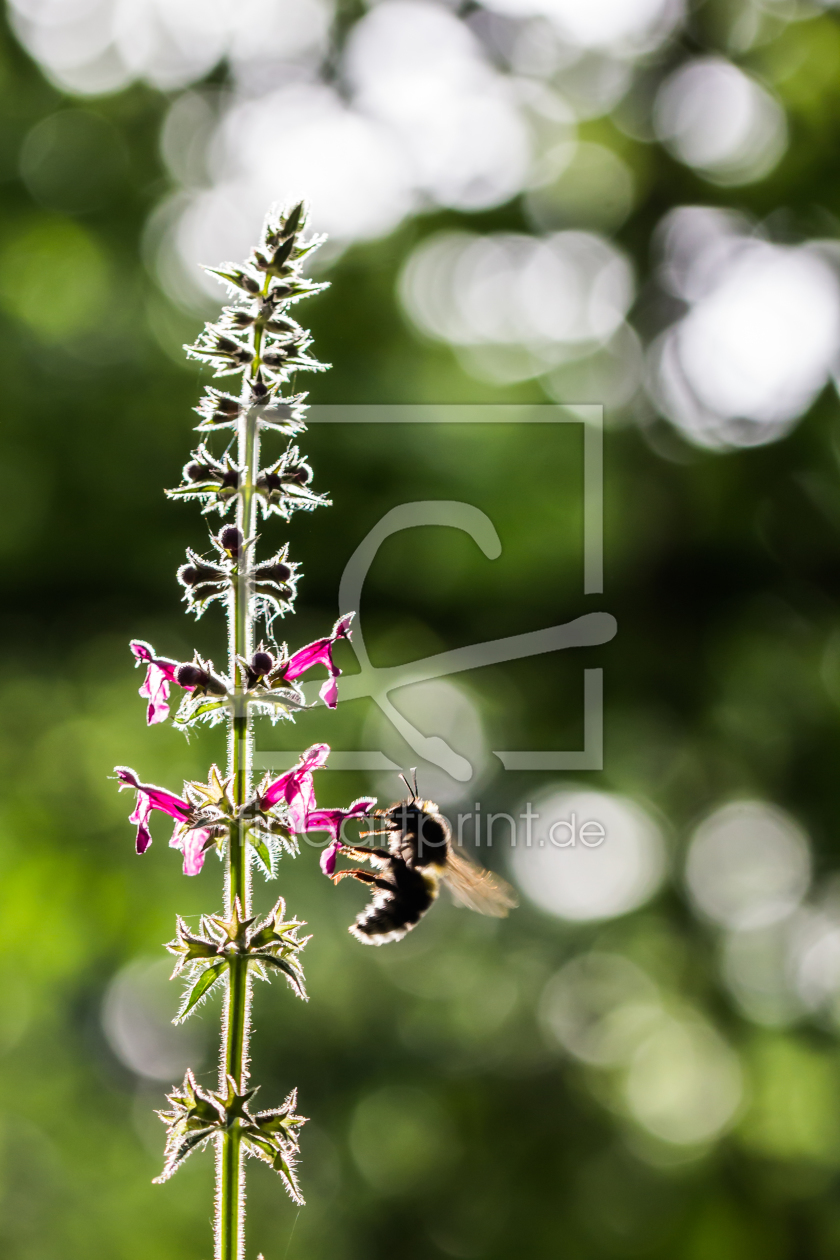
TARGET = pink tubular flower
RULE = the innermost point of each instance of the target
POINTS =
(149, 798)
(160, 674)
(320, 653)
(194, 844)
(329, 856)
(331, 820)
(295, 788)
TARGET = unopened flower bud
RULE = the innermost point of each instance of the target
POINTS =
(196, 574)
(231, 540)
(226, 405)
(262, 663)
(278, 326)
(190, 676)
(241, 318)
(218, 409)
(277, 261)
(274, 572)
(238, 277)
(230, 349)
(193, 676)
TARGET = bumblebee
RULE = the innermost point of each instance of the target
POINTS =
(407, 876)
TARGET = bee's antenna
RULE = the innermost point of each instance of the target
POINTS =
(412, 790)
(414, 776)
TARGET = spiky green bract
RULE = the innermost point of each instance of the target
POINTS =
(204, 957)
(198, 1114)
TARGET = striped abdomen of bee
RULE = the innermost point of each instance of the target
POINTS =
(406, 877)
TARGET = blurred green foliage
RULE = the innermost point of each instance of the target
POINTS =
(444, 1121)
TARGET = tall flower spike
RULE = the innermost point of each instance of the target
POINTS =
(257, 339)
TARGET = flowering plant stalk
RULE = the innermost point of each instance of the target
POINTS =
(256, 339)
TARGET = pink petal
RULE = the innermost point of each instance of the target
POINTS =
(341, 629)
(332, 820)
(315, 757)
(160, 673)
(140, 816)
(320, 653)
(144, 654)
(299, 806)
(167, 802)
(317, 653)
(142, 650)
(297, 783)
(156, 690)
(329, 692)
(193, 845)
(150, 797)
(329, 856)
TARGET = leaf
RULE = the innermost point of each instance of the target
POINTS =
(263, 853)
(209, 706)
(200, 989)
(284, 250)
(293, 222)
(260, 1146)
(280, 697)
(293, 975)
(177, 1155)
(285, 1168)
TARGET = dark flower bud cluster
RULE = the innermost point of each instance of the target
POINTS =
(225, 353)
(203, 581)
(272, 584)
(283, 487)
(270, 281)
(208, 695)
(222, 411)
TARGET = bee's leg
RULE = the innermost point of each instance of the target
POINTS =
(362, 853)
(364, 877)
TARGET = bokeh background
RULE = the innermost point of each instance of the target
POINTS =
(626, 202)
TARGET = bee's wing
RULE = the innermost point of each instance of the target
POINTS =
(477, 889)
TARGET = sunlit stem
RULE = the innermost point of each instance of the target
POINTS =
(230, 1168)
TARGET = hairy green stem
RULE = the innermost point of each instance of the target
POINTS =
(230, 1189)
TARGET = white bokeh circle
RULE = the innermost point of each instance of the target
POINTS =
(748, 865)
(580, 882)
